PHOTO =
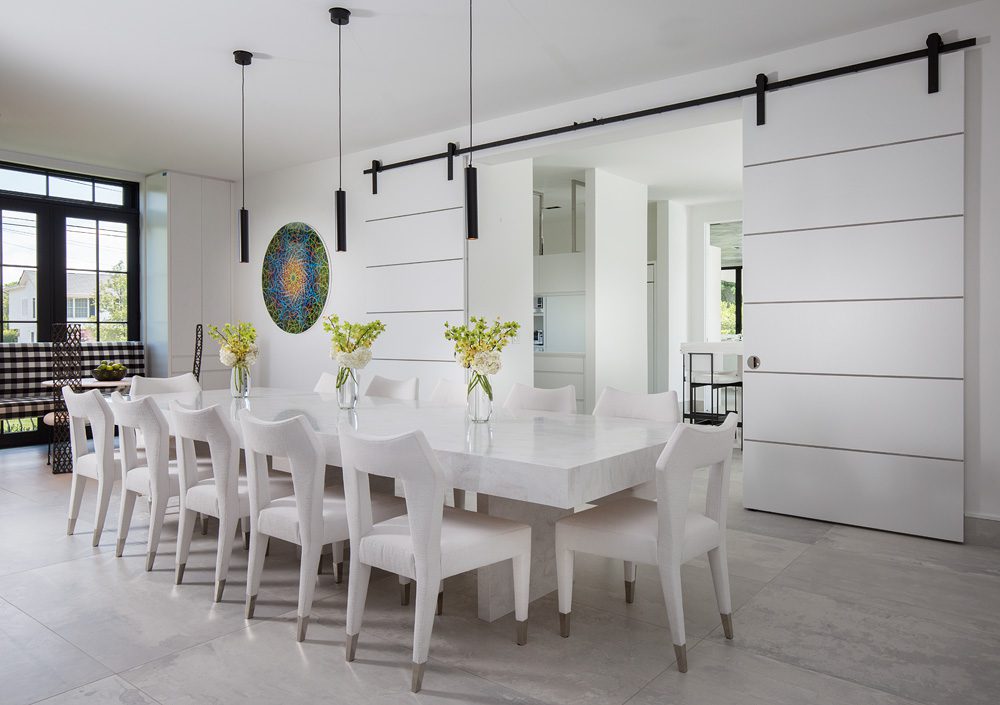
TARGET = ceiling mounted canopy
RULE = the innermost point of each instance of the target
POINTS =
(340, 16)
(243, 59)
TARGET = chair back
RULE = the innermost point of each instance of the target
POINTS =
(689, 448)
(144, 416)
(186, 382)
(448, 393)
(91, 408)
(407, 457)
(403, 389)
(562, 399)
(293, 439)
(208, 426)
(326, 384)
(629, 405)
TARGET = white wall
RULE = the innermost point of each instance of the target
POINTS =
(616, 284)
(305, 193)
(676, 248)
(501, 280)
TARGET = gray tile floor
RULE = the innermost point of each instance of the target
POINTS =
(824, 614)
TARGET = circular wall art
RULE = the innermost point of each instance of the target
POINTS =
(295, 277)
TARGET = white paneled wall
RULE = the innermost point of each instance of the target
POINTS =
(414, 277)
(853, 289)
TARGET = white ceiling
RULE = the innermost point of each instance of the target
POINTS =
(142, 85)
(696, 165)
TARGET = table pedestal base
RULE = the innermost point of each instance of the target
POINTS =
(496, 582)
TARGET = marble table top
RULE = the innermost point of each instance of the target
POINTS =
(558, 460)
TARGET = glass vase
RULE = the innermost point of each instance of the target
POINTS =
(480, 404)
(348, 387)
(239, 381)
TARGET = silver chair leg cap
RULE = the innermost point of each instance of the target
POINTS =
(303, 624)
(150, 557)
(417, 680)
(179, 573)
(120, 548)
(251, 605)
(220, 585)
(629, 591)
(70, 525)
(97, 538)
(350, 647)
(440, 605)
(727, 625)
(338, 572)
(404, 594)
(522, 632)
(681, 652)
(564, 624)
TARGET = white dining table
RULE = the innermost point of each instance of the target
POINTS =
(531, 467)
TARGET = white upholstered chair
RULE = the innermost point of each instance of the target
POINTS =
(186, 382)
(153, 475)
(664, 533)
(562, 400)
(449, 393)
(224, 495)
(90, 408)
(650, 407)
(428, 544)
(311, 518)
(402, 389)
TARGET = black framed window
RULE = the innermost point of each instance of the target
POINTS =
(732, 300)
(69, 252)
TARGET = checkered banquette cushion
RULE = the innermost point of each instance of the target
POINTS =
(23, 367)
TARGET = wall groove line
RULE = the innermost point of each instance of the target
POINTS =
(855, 149)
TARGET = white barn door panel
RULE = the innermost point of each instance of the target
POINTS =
(854, 300)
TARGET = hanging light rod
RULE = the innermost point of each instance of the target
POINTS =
(243, 59)
(934, 47)
(340, 16)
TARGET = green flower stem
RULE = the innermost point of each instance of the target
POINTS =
(343, 374)
(480, 380)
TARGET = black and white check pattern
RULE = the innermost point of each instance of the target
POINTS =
(23, 367)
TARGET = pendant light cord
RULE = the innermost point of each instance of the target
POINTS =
(340, 109)
(243, 132)
(470, 82)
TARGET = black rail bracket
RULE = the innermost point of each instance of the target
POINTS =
(760, 91)
(376, 168)
(452, 150)
(934, 44)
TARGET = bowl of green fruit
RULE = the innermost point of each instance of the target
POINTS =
(109, 371)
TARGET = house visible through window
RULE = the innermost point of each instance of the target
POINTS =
(68, 253)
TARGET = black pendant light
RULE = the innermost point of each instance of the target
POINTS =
(243, 59)
(340, 16)
(471, 189)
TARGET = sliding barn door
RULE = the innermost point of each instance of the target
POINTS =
(853, 291)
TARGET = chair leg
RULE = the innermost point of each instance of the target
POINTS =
(185, 529)
(308, 570)
(670, 578)
(522, 584)
(423, 625)
(157, 513)
(630, 575)
(255, 566)
(77, 486)
(223, 553)
(338, 561)
(124, 520)
(564, 579)
(357, 594)
(245, 525)
(204, 524)
(720, 579)
(405, 585)
(104, 490)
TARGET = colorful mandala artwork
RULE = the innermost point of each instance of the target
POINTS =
(295, 277)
